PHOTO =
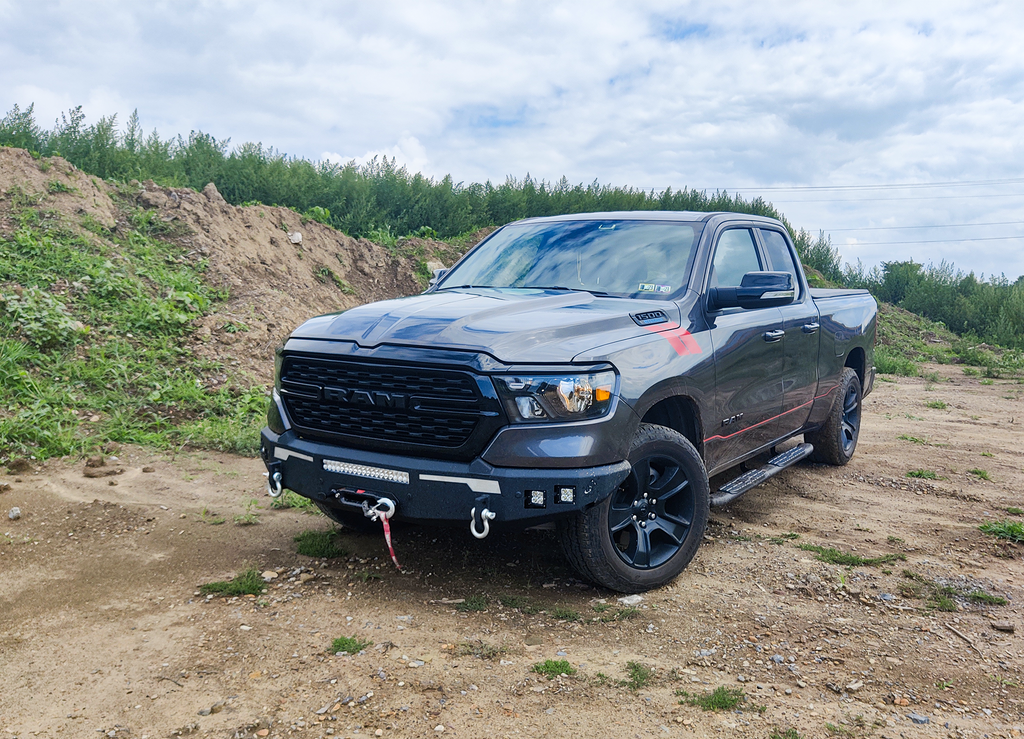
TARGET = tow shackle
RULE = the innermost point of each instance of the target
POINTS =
(480, 526)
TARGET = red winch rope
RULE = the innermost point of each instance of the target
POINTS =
(387, 538)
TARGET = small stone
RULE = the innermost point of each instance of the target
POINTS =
(887, 597)
(801, 684)
(153, 469)
(439, 728)
(244, 627)
(269, 575)
(94, 419)
(631, 600)
(14, 514)
(263, 732)
(1007, 626)
(111, 482)
(96, 461)
(5, 487)
(741, 679)
(777, 659)
(305, 577)
(855, 686)
(19, 467)
(918, 718)
(379, 732)
(94, 472)
(295, 237)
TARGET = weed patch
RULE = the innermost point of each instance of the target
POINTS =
(349, 645)
(638, 675)
(473, 604)
(837, 557)
(912, 439)
(564, 614)
(1010, 530)
(981, 474)
(553, 668)
(480, 650)
(319, 544)
(720, 699)
(1015, 511)
(980, 596)
(289, 499)
(922, 474)
(249, 582)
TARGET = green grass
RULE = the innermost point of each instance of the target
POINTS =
(563, 613)
(937, 404)
(982, 474)
(249, 582)
(473, 604)
(519, 602)
(638, 675)
(889, 363)
(97, 325)
(912, 439)
(837, 557)
(937, 597)
(553, 668)
(365, 576)
(289, 499)
(784, 734)
(319, 544)
(349, 644)
(922, 474)
(1011, 530)
(980, 596)
(720, 699)
(1013, 511)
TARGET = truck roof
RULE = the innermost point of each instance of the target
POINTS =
(683, 216)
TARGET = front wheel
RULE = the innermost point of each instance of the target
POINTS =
(648, 530)
(835, 442)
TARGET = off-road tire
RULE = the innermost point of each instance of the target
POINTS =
(597, 553)
(836, 440)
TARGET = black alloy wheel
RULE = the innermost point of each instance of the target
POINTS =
(648, 530)
(836, 440)
(652, 511)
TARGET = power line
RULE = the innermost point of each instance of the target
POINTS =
(890, 186)
(889, 200)
(942, 225)
(934, 241)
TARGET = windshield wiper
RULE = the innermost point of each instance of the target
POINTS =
(601, 293)
(462, 287)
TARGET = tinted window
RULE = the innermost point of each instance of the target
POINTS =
(645, 259)
(779, 254)
(734, 257)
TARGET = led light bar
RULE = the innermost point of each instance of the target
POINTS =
(361, 470)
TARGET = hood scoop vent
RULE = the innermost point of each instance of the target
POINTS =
(649, 318)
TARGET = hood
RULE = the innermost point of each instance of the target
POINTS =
(513, 326)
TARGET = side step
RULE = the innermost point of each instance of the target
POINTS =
(752, 478)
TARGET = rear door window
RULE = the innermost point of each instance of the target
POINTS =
(779, 254)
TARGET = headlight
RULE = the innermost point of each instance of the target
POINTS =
(564, 397)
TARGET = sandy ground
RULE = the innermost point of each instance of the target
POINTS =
(102, 627)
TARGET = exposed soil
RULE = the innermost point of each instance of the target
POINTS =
(102, 626)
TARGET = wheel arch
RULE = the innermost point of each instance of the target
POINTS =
(856, 360)
(673, 407)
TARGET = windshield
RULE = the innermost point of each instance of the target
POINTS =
(638, 259)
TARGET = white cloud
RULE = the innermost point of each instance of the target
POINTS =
(408, 153)
(651, 93)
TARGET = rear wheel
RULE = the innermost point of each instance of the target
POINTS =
(648, 530)
(835, 442)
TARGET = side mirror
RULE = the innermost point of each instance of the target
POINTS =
(756, 290)
(438, 274)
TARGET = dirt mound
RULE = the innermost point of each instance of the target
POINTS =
(277, 267)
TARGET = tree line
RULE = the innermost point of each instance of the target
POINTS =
(383, 200)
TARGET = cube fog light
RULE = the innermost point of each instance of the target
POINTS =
(536, 499)
(565, 494)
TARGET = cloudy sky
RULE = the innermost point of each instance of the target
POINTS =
(896, 127)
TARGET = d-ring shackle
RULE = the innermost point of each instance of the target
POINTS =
(274, 489)
(486, 517)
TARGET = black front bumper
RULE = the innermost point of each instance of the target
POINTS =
(436, 491)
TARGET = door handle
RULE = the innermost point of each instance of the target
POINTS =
(810, 328)
(773, 336)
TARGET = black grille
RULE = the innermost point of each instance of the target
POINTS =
(376, 406)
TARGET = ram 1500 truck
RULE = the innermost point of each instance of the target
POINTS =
(590, 370)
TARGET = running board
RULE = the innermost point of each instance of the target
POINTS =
(752, 478)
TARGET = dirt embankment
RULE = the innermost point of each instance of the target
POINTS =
(277, 267)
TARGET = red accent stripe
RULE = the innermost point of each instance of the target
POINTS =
(773, 418)
(680, 339)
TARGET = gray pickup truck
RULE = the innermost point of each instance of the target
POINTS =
(590, 370)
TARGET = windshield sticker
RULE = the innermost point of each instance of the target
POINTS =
(650, 287)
